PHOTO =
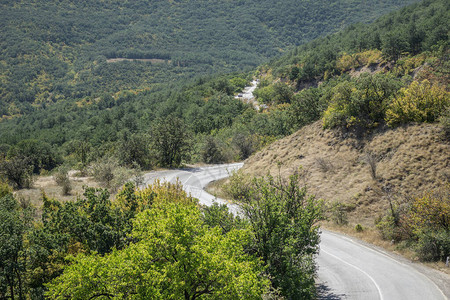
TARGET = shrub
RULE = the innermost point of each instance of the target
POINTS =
(339, 213)
(420, 102)
(284, 219)
(371, 160)
(324, 164)
(349, 61)
(211, 152)
(62, 179)
(361, 102)
(239, 186)
(18, 172)
(433, 245)
(110, 174)
(359, 228)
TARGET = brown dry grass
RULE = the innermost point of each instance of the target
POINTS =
(215, 188)
(410, 161)
(48, 185)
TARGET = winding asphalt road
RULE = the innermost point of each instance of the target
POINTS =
(348, 268)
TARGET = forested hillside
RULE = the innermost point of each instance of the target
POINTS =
(54, 51)
(71, 101)
(135, 128)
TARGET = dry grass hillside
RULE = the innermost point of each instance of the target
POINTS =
(337, 166)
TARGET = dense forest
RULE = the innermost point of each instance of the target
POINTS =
(66, 106)
(208, 124)
(56, 51)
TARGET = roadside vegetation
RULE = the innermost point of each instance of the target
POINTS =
(158, 243)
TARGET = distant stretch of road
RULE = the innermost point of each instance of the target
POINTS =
(348, 268)
(194, 180)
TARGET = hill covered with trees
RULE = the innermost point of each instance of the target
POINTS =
(55, 51)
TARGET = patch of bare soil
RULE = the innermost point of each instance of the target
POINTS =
(47, 185)
(407, 161)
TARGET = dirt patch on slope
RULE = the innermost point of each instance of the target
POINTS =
(409, 161)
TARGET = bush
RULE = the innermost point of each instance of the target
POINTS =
(361, 102)
(62, 179)
(339, 213)
(239, 186)
(18, 172)
(424, 221)
(211, 152)
(433, 245)
(420, 102)
(371, 160)
(284, 219)
(110, 174)
(359, 228)
(40, 154)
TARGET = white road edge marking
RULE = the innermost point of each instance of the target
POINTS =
(362, 271)
(380, 252)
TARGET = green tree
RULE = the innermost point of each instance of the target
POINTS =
(420, 102)
(134, 149)
(211, 153)
(40, 154)
(177, 257)
(17, 171)
(286, 235)
(305, 107)
(394, 44)
(170, 141)
(15, 221)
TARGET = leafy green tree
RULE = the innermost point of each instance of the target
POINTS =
(286, 235)
(90, 221)
(134, 149)
(305, 107)
(218, 215)
(420, 102)
(362, 102)
(211, 152)
(15, 222)
(170, 141)
(40, 154)
(177, 257)
(394, 44)
(81, 148)
(17, 171)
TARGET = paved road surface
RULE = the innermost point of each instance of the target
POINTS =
(348, 268)
(195, 180)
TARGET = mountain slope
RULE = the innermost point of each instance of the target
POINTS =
(52, 51)
(409, 161)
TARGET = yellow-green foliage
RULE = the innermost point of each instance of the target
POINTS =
(5, 189)
(349, 61)
(337, 113)
(406, 65)
(420, 102)
(129, 198)
(432, 211)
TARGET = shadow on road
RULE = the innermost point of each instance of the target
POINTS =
(325, 293)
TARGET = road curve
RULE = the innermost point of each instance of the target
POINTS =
(194, 180)
(351, 269)
(347, 267)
